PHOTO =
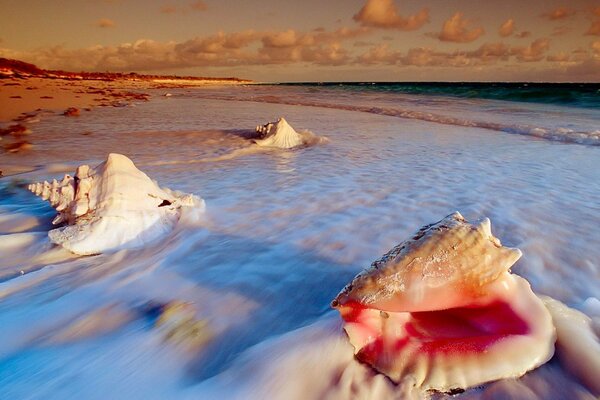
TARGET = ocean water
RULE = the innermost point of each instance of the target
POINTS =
(567, 94)
(283, 232)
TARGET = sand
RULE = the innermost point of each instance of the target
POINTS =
(25, 100)
(20, 96)
(26, 96)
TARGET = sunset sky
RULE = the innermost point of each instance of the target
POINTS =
(311, 40)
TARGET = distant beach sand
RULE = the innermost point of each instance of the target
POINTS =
(20, 96)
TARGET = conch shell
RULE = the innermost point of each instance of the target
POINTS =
(443, 310)
(278, 134)
(111, 206)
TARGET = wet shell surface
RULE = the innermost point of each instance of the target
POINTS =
(443, 311)
(111, 206)
(278, 134)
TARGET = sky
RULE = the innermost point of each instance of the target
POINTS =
(311, 40)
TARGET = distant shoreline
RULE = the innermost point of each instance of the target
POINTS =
(27, 91)
(10, 68)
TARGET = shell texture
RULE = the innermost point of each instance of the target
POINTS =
(443, 310)
(110, 207)
(278, 134)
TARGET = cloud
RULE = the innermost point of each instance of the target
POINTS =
(580, 54)
(317, 47)
(384, 14)
(507, 28)
(485, 55)
(558, 13)
(362, 43)
(330, 54)
(534, 52)
(560, 30)
(490, 52)
(283, 39)
(456, 29)
(380, 54)
(522, 34)
(594, 29)
(558, 57)
(242, 48)
(596, 47)
(249, 48)
(105, 23)
(198, 5)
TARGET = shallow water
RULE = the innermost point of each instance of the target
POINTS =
(283, 232)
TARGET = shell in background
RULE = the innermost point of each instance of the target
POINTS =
(111, 206)
(278, 134)
(443, 310)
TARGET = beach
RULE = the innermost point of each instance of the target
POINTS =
(282, 233)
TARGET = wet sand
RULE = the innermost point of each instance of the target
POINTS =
(20, 96)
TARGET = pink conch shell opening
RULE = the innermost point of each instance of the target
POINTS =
(443, 310)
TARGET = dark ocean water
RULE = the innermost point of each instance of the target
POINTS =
(570, 94)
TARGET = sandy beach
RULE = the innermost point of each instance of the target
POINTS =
(28, 96)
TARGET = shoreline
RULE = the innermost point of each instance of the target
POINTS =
(25, 97)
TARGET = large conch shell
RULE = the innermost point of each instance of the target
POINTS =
(111, 206)
(443, 310)
(278, 134)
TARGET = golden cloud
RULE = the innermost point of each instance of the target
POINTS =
(254, 48)
(198, 5)
(384, 14)
(560, 30)
(523, 34)
(559, 13)
(486, 54)
(594, 29)
(596, 47)
(507, 28)
(534, 52)
(380, 54)
(558, 57)
(105, 23)
(456, 29)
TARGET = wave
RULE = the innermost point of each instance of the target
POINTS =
(585, 95)
(560, 134)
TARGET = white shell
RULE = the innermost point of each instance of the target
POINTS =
(111, 206)
(442, 310)
(279, 134)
